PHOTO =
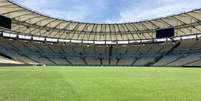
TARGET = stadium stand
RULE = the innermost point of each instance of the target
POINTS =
(4, 60)
(122, 55)
(36, 39)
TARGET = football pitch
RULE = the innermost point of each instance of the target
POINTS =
(99, 84)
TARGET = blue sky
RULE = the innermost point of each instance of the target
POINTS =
(110, 11)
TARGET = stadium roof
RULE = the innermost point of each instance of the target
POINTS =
(32, 23)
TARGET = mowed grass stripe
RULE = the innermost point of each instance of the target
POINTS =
(100, 84)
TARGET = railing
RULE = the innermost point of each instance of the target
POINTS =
(12, 35)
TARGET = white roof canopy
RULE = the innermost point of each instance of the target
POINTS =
(28, 22)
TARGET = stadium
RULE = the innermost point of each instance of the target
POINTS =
(104, 56)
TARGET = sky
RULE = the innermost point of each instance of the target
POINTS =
(110, 11)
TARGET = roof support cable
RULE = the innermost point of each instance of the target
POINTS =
(74, 31)
(84, 28)
(119, 31)
(90, 32)
(195, 19)
(60, 33)
(181, 22)
(55, 27)
(139, 34)
(93, 32)
(6, 13)
(147, 30)
(174, 26)
(126, 27)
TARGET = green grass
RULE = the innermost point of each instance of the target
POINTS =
(100, 84)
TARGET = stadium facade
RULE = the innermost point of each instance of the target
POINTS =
(31, 38)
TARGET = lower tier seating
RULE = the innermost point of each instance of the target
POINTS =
(187, 53)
